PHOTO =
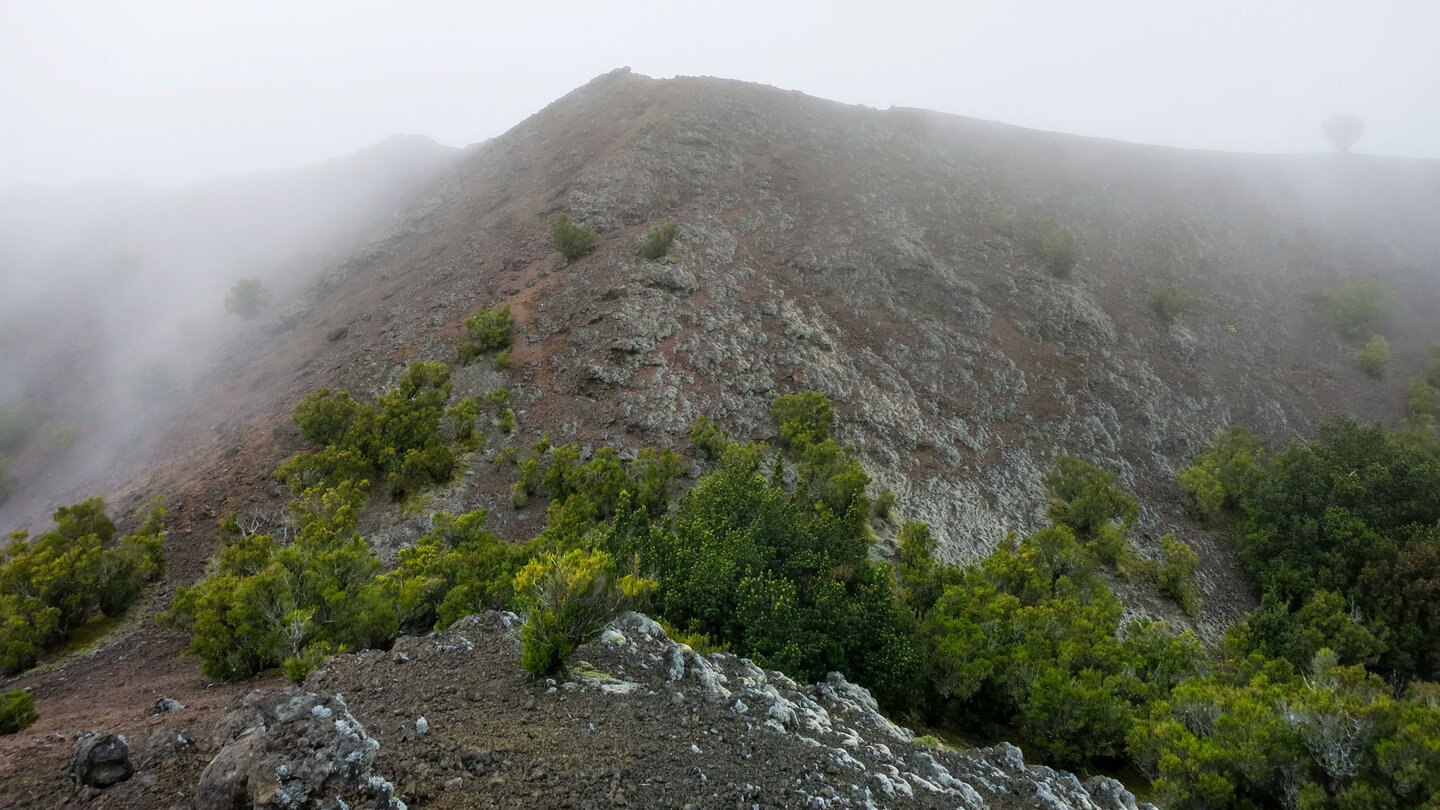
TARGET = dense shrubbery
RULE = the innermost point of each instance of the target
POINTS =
(658, 241)
(1353, 514)
(17, 711)
(399, 436)
(1341, 534)
(487, 332)
(56, 583)
(572, 240)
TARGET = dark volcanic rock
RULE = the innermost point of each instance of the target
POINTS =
(102, 761)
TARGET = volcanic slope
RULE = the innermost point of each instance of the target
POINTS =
(886, 258)
(889, 260)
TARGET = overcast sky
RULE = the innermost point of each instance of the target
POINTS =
(175, 91)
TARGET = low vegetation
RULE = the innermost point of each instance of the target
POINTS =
(488, 333)
(768, 554)
(52, 585)
(1374, 357)
(398, 436)
(658, 241)
(1169, 302)
(17, 711)
(1059, 248)
(571, 239)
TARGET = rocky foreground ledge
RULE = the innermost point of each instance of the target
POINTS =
(449, 720)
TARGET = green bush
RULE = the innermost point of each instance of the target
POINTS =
(568, 600)
(53, 585)
(572, 240)
(804, 418)
(1059, 248)
(17, 711)
(247, 298)
(1169, 302)
(658, 241)
(1423, 401)
(1177, 574)
(265, 603)
(8, 482)
(487, 331)
(399, 436)
(1222, 472)
(1374, 357)
(1086, 498)
(1359, 309)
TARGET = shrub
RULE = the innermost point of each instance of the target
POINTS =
(1222, 472)
(804, 418)
(568, 600)
(246, 298)
(1177, 574)
(1086, 498)
(658, 241)
(1374, 357)
(1359, 309)
(1423, 401)
(486, 331)
(1168, 302)
(1001, 219)
(8, 482)
(17, 711)
(1059, 247)
(572, 240)
(52, 585)
(708, 437)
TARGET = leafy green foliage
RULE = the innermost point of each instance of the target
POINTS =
(1086, 498)
(399, 435)
(487, 332)
(572, 240)
(53, 585)
(658, 241)
(455, 570)
(1355, 514)
(1336, 738)
(1030, 637)
(1359, 309)
(247, 298)
(1177, 573)
(17, 711)
(266, 603)
(1059, 248)
(1169, 302)
(804, 418)
(568, 600)
(1222, 472)
(708, 437)
(1374, 357)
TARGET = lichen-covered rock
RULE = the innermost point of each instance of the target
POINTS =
(302, 750)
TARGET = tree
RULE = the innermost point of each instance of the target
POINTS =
(1344, 130)
(247, 298)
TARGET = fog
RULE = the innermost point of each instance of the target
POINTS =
(113, 309)
(169, 92)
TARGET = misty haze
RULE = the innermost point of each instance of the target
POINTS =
(989, 406)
